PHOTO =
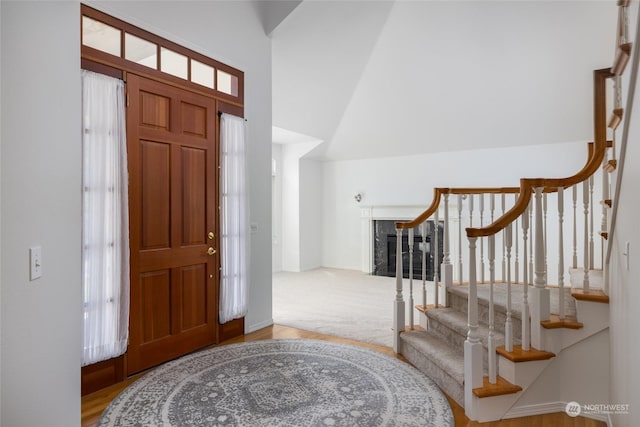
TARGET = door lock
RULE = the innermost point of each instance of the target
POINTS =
(211, 251)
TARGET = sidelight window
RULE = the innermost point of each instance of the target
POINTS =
(105, 223)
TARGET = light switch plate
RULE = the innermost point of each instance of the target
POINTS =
(35, 262)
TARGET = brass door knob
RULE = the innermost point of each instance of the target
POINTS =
(211, 251)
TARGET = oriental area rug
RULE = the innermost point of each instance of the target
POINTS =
(293, 383)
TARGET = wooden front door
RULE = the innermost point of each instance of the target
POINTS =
(173, 222)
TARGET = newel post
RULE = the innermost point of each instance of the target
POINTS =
(473, 343)
(398, 303)
(540, 297)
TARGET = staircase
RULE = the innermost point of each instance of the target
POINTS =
(438, 349)
(502, 341)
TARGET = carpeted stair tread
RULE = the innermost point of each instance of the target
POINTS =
(438, 351)
(499, 300)
(457, 323)
(500, 297)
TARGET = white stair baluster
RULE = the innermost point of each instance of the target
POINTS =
(492, 208)
(447, 267)
(460, 273)
(398, 304)
(410, 302)
(605, 220)
(560, 252)
(526, 326)
(481, 208)
(436, 258)
(423, 232)
(473, 344)
(605, 197)
(491, 344)
(531, 242)
(575, 227)
(544, 226)
(591, 247)
(585, 202)
(516, 243)
(508, 327)
(503, 242)
(471, 210)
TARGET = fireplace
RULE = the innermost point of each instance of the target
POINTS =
(384, 248)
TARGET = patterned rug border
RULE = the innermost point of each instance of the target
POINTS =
(185, 379)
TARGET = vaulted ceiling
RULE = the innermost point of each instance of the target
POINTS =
(382, 78)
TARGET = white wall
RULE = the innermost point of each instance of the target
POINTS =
(290, 208)
(41, 183)
(0, 216)
(300, 207)
(624, 291)
(276, 209)
(310, 214)
(40, 191)
(410, 181)
(230, 32)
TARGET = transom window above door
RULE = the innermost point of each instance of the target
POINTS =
(112, 42)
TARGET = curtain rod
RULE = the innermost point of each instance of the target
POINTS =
(221, 112)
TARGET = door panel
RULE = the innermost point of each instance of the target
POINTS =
(156, 304)
(155, 190)
(194, 296)
(194, 186)
(155, 111)
(194, 120)
(174, 280)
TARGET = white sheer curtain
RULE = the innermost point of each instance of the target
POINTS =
(234, 214)
(105, 219)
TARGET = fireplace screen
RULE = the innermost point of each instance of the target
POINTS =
(384, 249)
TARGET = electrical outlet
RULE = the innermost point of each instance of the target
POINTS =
(35, 262)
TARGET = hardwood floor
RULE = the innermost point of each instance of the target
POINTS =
(93, 404)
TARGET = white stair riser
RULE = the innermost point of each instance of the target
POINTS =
(459, 303)
(523, 373)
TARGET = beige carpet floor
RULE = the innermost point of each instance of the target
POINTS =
(344, 303)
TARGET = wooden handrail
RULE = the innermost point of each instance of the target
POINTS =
(596, 155)
(438, 192)
(524, 195)
(484, 190)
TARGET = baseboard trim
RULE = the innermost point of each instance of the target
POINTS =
(550, 407)
(256, 326)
